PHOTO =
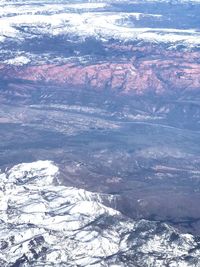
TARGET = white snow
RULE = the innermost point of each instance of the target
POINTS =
(73, 224)
(56, 19)
(42, 171)
(18, 61)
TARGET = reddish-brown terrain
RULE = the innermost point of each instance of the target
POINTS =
(145, 69)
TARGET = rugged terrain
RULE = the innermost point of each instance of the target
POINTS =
(146, 69)
(44, 224)
(99, 130)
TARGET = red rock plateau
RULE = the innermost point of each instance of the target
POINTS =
(155, 70)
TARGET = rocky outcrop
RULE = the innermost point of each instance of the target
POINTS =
(146, 69)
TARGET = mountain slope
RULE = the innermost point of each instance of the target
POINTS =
(47, 225)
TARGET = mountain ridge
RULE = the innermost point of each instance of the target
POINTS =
(52, 225)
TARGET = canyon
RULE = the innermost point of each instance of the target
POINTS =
(147, 69)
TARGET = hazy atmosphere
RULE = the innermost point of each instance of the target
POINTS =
(99, 133)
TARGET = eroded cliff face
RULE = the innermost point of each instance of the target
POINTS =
(144, 69)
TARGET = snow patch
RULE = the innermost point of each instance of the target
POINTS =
(18, 61)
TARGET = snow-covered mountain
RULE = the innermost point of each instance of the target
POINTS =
(46, 224)
(24, 20)
(27, 26)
